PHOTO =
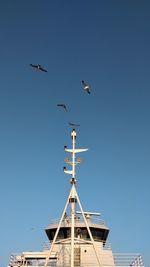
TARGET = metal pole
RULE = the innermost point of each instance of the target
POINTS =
(72, 227)
(88, 228)
(57, 231)
(73, 199)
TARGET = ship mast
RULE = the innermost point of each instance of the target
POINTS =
(72, 200)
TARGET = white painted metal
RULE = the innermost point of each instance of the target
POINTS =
(57, 231)
(72, 224)
(72, 198)
(89, 232)
(86, 213)
(76, 150)
(73, 181)
(61, 252)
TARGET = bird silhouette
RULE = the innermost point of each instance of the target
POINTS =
(86, 87)
(38, 67)
(63, 106)
(73, 124)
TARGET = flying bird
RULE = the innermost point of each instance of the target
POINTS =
(86, 87)
(38, 67)
(63, 106)
(73, 124)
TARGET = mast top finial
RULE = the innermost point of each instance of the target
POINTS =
(73, 133)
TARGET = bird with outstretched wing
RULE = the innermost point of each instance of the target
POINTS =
(63, 106)
(73, 124)
(86, 87)
(38, 67)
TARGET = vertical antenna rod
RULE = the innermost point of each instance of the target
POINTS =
(74, 162)
(73, 198)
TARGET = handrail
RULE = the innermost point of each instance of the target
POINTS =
(78, 219)
(120, 260)
(106, 245)
(127, 259)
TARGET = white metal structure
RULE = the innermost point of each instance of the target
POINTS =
(79, 238)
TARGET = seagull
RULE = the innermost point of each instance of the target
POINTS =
(38, 66)
(86, 87)
(73, 124)
(62, 105)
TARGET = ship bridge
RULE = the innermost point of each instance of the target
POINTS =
(98, 228)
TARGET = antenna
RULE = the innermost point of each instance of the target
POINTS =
(73, 161)
(73, 197)
(89, 213)
(72, 200)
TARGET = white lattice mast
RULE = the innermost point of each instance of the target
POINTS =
(72, 200)
(73, 197)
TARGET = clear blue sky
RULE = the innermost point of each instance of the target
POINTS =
(106, 43)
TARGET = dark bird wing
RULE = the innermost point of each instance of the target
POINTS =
(63, 106)
(34, 66)
(84, 84)
(42, 69)
(73, 124)
(38, 66)
(86, 87)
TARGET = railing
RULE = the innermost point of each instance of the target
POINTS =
(13, 259)
(128, 259)
(78, 219)
(106, 245)
(120, 260)
(46, 245)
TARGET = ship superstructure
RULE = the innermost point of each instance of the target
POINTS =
(78, 238)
